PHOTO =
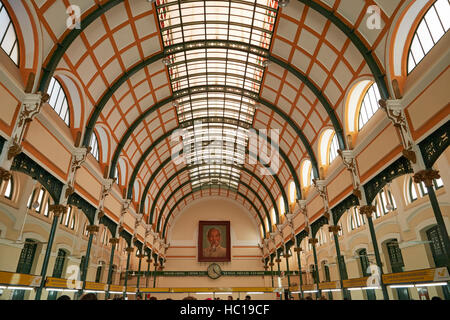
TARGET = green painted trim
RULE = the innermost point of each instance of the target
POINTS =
(435, 144)
(192, 192)
(316, 225)
(396, 169)
(149, 111)
(350, 33)
(251, 173)
(205, 273)
(161, 213)
(207, 188)
(165, 162)
(23, 163)
(48, 251)
(62, 47)
(83, 205)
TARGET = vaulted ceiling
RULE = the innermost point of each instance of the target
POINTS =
(214, 68)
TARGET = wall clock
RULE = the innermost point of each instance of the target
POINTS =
(214, 271)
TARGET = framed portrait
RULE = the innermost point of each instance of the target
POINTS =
(214, 244)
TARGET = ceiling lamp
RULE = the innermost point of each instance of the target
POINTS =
(283, 3)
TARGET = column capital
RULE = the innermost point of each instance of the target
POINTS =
(313, 241)
(298, 249)
(57, 209)
(5, 175)
(367, 210)
(426, 176)
(129, 249)
(93, 229)
(100, 214)
(334, 229)
(14, 149)
(114, 240)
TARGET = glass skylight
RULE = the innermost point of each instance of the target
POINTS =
(216, 83)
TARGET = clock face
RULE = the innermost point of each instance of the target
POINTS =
(214, 271)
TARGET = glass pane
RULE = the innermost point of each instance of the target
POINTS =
(58, 100)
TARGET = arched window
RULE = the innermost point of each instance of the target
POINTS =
(58, 100)
(46, 208)
(67, 218)
(273, 216)
(94, 147)
(307, 174)
(292, 192)
(7, 188)
(85, 230)
(321, 237)
(8, 36)
(384, 202)
(281, 206)
(328, 147)
(333, 153)
(266, 220)
(369, 105)
(356, 220)
(37, 205)
(431, 29)
(341, 231)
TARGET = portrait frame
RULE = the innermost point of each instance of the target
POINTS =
(224, 228)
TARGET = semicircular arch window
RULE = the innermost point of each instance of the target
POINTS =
(8, 37)
(95, 151)
(369, 105)
(434, 24)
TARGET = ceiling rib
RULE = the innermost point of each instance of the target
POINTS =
(166, 202)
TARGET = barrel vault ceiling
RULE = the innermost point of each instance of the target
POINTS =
(211, 67)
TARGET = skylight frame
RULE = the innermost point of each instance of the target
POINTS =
(215, 53)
